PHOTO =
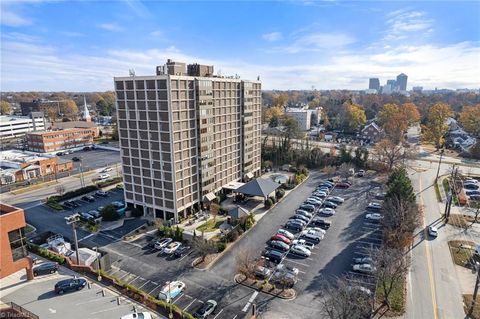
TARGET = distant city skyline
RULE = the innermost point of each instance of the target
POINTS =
(46, 46)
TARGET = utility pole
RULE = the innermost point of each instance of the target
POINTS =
(475, 291)
(99, 277)
(82, 182)
(450, 194)
(71, 220)
(440, 163)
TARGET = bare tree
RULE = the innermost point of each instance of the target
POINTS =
(60, 189)
(401, 218)
(391, 269)
(390, 154)
(329, 170)
(341, 300)
(204, 247)
(246, 263)
(345, 170)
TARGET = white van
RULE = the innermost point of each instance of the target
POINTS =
(103, 176)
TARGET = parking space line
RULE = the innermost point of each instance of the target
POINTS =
(185, 255)
(144, 284)
(218, 314)
(153, 282)
(296, 262)
(189, 304)
(157, 287)
(180, 297)
(126, 274)
(134, 278)
(104, 310)
(111, 273)
(252, 298)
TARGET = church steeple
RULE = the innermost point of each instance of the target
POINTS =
(86, 114)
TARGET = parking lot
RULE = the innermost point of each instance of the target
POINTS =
(94, 159)
(39, 297)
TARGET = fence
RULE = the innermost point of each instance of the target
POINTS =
(19, 310)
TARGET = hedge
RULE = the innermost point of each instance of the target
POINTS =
(75, 193)
(46, 254)
(279, 193)
(109, 182)
(53, 204)
(268, 203)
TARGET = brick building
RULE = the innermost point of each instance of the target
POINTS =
(13, 244)
(52, 141)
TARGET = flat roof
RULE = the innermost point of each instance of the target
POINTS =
(17, 156)
(67, 130)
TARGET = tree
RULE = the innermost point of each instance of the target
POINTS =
(393, 121)
(109, 213)
(436, 127)
(115, 133)
(470, 119)
(291, 127)
(204, 247)
(280, 100)
(52, 113)
(345, 170)
(214, 209)
(340, 301)
(273, 112)
(361, 157)
(5, 108)
(273, 122)
(70, 108)
(400, 186)
(354, 117)
(60, 189)
(245, 262)
(475, 150)
(401, 218)
(411, 113)
(390, 154)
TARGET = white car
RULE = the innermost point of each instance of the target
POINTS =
(336, 199)
(312, 235)
(313, 201)
(138, 315)
(374, 205)
(320, 194)
(433, 231)
(107, 169)
(160, 244)
(285, 233)
(303, 213)
(288, 269)
(470, 181)
(364, 268)
(327, 211)
(172, 247)
(300, 250)
(103, 176)
(304, 243)
(374, 216)
(317, 229)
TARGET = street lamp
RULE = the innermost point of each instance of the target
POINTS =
(71, 220)
(475, 291)
(99, 277)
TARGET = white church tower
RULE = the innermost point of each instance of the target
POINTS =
(86, 114)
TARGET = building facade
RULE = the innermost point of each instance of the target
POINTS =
(402, 82)
(13, 244)
(372, 132)
(18, 126)
(183, 136)
(305, 117)
(374, 84)
(52, 141)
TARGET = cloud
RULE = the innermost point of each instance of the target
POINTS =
(111, 27)
(316, 41)
(403, 23)
(73, 34)
(156, 33)
(12, 18)
(272, 36)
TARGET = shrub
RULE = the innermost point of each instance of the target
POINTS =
(232, 236)
(53, 204)
(75, 193)
(45, 253)
(109, 213)
(109, 182)
(279, 193)
(221, 246)
(273, 199)
(223, 211)
(268, 203)
(250, 221)
(288, 186)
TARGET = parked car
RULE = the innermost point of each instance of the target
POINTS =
(335, 199)
(171, 248)
(117, 204)
(374, 206)
(103, 176)
(342, 185)
(86, 217)
(160, 244)
(364, 268)
(307, 207)
(472, 193)
(106, 170)
(205, 310)
(72, 203)
(361, 173)
(273, 256)
(76, 159)
(303, 213)
(95, 213)
(287, 268)
(317, 229)
(329, 204)
(101, 193)
(470, 181)
(313, 201)
(278, 245)
(69, 285)
(325, 189)
(433, 231)
(138, 315)
(262, 272)
(182, 251)
(171, 290)
(380, 195)
(88, 198)
(319, 194)
(320, 222)
(300, 250)
(286, 233)
(471, 186)
(474, 197)
(304, 243)
(312, 235)
(326, 211)
(374, 217)
(45, 268)
(281, 238)
(59, 154)
(363, 260)
(300, 217)
(294, 225)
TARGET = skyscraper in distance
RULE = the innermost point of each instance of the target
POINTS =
(374, 84)
(402, 81)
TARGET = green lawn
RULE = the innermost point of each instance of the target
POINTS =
(437, 192)
(210, 225)
(396, 297)
(462, 251)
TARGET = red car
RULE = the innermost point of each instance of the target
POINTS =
(342, 185)
(281, 238)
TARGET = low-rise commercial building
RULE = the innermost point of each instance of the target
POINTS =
(18, 166)
(13, 244)
(77, 124)
(18, 126)
(53, 141)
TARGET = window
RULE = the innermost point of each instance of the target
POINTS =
(17, 244)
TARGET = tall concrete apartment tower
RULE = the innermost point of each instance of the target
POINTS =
(374, 84)
(183, 136)
(402, 81)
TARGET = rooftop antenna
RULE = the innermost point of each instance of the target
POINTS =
(258, 77)
(131, 72)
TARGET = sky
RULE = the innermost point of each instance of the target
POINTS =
(81, 45)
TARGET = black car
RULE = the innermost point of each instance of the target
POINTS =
(74, 203)
(322, 223)
(66, 207)
(278, 245)
(308, 208)
(295, 226)
(329, 204)
(70, 285)
(273, 255)
(45, 268)
(86, 217)
(88, 198)
(182, 251)
(75, 159)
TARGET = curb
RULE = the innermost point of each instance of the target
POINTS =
(265, 292)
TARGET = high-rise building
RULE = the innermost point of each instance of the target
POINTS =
(374, 84)
(402, 82)
(183, 136)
